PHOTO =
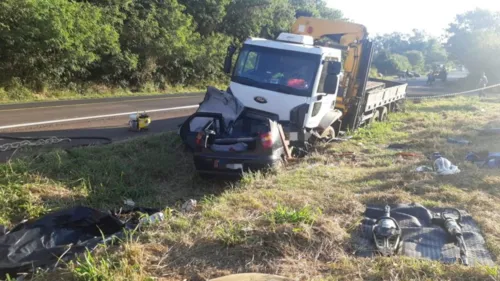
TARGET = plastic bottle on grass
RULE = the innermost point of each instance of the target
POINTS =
(152, 219)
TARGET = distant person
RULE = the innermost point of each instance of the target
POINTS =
(444, 74)
(483, 82)
(430, 78)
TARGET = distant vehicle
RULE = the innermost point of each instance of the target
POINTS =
(411, 74)
(442, 75)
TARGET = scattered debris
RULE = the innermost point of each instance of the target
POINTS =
(490, 160)
(441, 234)
(443, 166)
(450, 219)
(472, 157)
(189, 206)
(387, 234)
(152, 219)
(459, 141)
(129, 202)
(424, 169)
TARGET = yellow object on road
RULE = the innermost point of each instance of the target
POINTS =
(251, 277)
(139, 122)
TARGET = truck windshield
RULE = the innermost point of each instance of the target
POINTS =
(277, 70)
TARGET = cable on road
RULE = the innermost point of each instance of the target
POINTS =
(453, 94)
(41, 141)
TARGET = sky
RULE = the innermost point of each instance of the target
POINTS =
(386, 16)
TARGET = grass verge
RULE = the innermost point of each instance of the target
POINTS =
(19, 93)
(298, 222)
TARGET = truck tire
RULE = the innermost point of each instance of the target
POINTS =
(329, 132)
(375, 117)
(383, 114)
(392, 107)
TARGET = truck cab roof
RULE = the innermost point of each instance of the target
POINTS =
(291, 46)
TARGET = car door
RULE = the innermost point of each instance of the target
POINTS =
(324, 98)
(199, 122)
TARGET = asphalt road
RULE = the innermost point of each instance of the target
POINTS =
(100, 117)
(109, 117)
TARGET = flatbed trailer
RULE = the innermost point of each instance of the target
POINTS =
(377, 98)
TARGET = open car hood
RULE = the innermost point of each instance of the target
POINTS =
(217, 101)
(216, 104)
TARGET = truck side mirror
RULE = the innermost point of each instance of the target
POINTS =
(228, 61)
(334, 68)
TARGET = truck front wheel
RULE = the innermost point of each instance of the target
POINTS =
(329, 133)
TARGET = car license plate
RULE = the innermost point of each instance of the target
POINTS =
(235, 166)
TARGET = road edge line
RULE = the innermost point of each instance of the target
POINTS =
(93, 117)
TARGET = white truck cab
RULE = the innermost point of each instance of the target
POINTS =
(289, 77)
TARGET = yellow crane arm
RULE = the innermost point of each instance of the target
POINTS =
(353, 36)
(341, 32)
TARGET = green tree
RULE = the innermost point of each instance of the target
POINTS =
(326, 12)
(399, 43)
(416, 59)
(474, 41)
(281, 17)
(52, 40)
(391, 64)
(207, 15)
(245, 18)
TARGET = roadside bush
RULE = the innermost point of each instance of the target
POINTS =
(16, 91)
(51, 40)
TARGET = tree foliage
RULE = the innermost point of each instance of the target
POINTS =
(421, 49)
(390, 64)
(52, 40)
(416, 59)
(134, 43)
(474, 41)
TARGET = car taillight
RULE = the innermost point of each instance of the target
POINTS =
(267, 140)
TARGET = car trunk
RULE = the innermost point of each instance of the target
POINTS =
(243, 135)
